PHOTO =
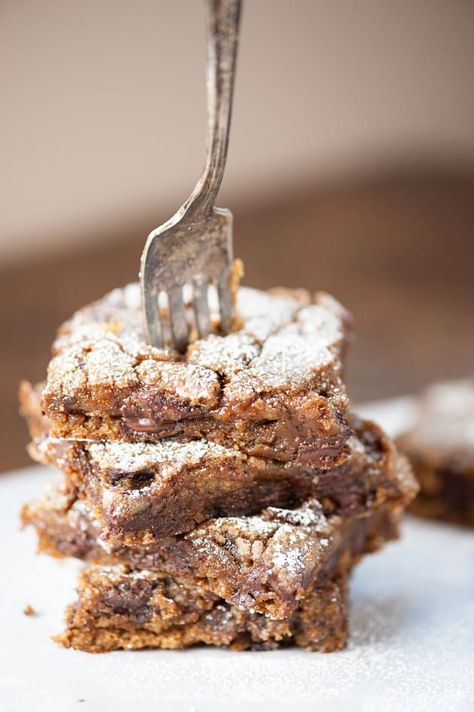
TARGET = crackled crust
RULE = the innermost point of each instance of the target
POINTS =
(122, 608)
(144, 491)
(273, 389)
(440, 446)
(265, 562)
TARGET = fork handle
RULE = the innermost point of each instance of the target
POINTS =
(223, 35)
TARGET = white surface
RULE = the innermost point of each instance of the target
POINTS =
(411, 646)
(394, 414)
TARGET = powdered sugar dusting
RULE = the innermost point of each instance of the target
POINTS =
(285, 342)
(308, 515)
(165, 454)
(289, 561)
(225, 356)
(264, 313)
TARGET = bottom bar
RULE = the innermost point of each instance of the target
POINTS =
(123, 608)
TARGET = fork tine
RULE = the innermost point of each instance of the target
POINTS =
(225, 300)
(178, 321)
(201, 307)
(153, 318)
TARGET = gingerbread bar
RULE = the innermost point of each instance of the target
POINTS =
(440, 446)
(265, 563)
(144, 491)
(272, 389)
(123, 608)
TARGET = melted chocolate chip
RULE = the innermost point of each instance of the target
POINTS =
(137, 480)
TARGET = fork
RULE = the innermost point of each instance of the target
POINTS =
(193, 250)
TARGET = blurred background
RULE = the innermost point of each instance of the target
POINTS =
(351, 168)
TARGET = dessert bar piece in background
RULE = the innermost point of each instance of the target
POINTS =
(273, 389)
(119, 607)
(266, 563)
(440, 446)
(144, 491)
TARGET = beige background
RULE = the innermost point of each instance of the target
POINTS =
(103, 106)
(351, 168)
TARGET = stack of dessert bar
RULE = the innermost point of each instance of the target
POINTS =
(222, 496)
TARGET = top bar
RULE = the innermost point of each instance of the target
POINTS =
(272, 389)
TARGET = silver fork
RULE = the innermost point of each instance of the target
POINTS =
(194, 248)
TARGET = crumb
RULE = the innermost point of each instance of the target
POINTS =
(81, 699)
(236, 274)
(29, 610)
(114, 327)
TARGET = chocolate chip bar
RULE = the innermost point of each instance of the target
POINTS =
(273, 389)
(141, 492)
(123, 608)
(440, 446)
